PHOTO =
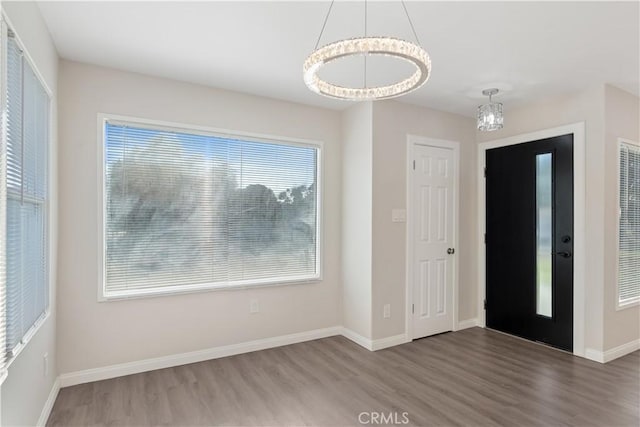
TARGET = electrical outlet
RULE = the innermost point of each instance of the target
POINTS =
(254, 307)
(386, 311)
(45, 364)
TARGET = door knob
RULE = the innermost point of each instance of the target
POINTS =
(451, 251)
(563, 254)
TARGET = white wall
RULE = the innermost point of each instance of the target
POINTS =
(26, 389)
(357, 145)
(92, 334)
(392, 121)
(374, 182)
(622, 120)
(364, 178)
(586, 106)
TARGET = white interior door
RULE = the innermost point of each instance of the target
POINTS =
(433, 237)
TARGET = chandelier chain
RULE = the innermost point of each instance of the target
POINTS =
(324, 24)
(364, 83)
(365, 18)
(404, 6)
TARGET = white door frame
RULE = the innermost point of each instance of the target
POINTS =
(579, 230)
(412, 141)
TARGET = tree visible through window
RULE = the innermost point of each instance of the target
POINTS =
(191, 210)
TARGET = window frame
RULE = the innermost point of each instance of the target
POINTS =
(634, 301)
(104, 118)
(6, 26)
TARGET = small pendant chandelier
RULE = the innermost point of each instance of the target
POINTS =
(384, 46)
(490, 116)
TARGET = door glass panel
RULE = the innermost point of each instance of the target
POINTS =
(544, 232)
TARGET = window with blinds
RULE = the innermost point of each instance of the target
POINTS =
(187, 210)
(629, 226)
(25, 139)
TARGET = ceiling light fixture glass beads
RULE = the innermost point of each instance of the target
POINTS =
(385, 46)
(490, 116)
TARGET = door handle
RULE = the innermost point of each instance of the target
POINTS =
(451, 251)
(563, 254)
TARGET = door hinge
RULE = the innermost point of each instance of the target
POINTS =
(485, 238)
(414, 165)
(485, 304)
(485, 172)
(413, 308)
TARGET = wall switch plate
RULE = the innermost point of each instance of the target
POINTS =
(386, 311)
(398, 215)
(254, 307)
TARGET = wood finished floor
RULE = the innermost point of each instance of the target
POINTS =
(474, 377)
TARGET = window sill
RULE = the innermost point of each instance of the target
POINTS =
(627, 304)
(207, 287)
(27, 337)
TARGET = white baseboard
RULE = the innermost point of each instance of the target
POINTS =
(357, 338)
(122, 369)
(113, 371)
(466, 324)
(374, 345)
(595, 355)
(389, 342)
(621, 350)
(612, 354)
(48, 405)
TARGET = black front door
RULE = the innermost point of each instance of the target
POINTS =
(529, 241)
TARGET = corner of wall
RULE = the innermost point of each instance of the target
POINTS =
(357, 146)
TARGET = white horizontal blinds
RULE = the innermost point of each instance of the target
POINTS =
(15, 324)
(272, 215)
(3, 205)
(26, 241)
(629, 251)
(187, 209)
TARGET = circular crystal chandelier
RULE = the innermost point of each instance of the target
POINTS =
(385, 46)
(490, 116)
(367, 46)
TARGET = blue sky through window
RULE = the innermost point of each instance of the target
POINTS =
(276, 166)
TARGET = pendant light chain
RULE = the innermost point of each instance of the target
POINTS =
(324, 24)
(365, 18)
(364, 84)
(404, 6)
